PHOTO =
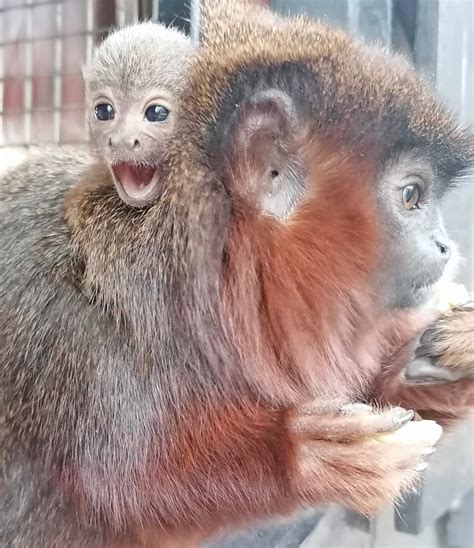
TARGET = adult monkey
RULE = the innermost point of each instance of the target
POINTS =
(448, 344)
(135, 393)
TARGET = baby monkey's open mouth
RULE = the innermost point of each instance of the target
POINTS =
(137, 182)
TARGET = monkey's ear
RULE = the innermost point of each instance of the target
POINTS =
(265, 165)
(263, 119)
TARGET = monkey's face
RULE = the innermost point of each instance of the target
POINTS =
(416, 251)
(326, 186)
(130, 133)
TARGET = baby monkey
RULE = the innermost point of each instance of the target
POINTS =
(133, 84)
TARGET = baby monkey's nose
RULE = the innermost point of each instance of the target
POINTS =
(132, 143)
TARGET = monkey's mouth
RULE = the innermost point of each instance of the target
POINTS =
(137, 182)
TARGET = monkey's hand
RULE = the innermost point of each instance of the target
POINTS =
(358, 456)
(446, 349)
(438, 381)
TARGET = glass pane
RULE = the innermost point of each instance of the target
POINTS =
(14, 60)
(74, 18)
(13, 132)
(43, 57)
(13, 95)
(42, 127)
(44, 21)
(74, 53)
(72, 129)
(43, 91)
(72, 89)
(14, 25)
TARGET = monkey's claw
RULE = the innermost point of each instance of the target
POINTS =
(349, 422)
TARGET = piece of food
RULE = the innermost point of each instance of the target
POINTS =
(448, 295)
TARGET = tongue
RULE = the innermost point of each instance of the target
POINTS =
(136, 180)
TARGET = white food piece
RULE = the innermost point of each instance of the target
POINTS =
(449, 294)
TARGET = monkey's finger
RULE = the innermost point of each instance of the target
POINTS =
(356, 409)
(336, 405)
(422, 371)
(346, 428)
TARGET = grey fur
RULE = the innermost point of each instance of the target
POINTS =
(62, 350)
(34, 242)
(133, 62)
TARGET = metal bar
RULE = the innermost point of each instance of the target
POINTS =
(155, 10)
(57, 79)
(90, 10)
(127, 12)
(28, 86)
(195, 19)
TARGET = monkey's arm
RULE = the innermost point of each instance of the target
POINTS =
(250, 461)
(439, 381)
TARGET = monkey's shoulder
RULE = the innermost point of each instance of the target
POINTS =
(34, 237)
(44, 175)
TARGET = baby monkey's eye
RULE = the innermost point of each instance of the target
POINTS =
(156, 113)
(104, 112)
(411, 195)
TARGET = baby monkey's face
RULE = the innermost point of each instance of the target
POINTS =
(130, 132)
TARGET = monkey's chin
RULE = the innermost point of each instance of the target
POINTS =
(137, 185)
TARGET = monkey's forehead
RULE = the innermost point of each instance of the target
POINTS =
(145, 37)
(339, 79)
(141, 55)
(133, 76)
(131, 84)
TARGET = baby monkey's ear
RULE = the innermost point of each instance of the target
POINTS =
(264, 161)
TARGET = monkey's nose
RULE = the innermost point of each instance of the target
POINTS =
(109, 142)
(136, 144)
(444, 249)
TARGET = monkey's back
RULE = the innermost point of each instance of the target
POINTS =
(72, 406)
(38, 299)
(34, 238)
(31, 204)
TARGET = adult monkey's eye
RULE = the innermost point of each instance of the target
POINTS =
(156, 113)
(411, 195)
(104, 112)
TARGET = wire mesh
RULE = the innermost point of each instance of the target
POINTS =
(43, 44)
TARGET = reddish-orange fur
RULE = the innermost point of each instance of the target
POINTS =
(280, 277)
